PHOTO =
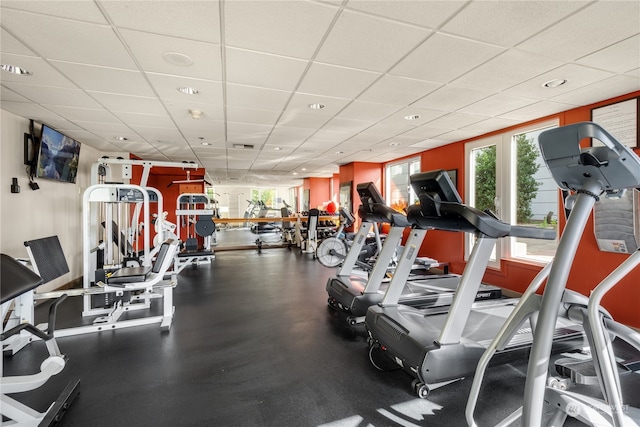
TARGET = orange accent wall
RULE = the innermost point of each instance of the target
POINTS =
(590, 266)
(357, 173)
(319, 191)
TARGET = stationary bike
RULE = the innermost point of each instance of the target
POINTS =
(333, 250)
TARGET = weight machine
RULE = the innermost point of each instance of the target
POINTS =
(195, 214)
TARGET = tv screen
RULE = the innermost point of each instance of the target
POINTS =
(58, 156)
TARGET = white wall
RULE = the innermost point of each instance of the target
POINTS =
(54, 209)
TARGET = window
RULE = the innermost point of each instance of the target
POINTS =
(398, 191)
(507, 175)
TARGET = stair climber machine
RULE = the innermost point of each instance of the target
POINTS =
(353, 295)
(439, 348)
(589, 390)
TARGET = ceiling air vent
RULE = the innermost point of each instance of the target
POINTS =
(243, 146)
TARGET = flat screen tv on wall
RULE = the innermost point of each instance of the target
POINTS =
(58, 156)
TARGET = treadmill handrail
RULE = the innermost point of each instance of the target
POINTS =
(532, 232)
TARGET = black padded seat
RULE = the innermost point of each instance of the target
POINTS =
(15, 279)
(457, 217)
(383, 214)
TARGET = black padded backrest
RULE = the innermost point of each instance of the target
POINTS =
(162, 253)
(15, 278)
(48, 257)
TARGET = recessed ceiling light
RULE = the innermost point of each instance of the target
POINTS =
(412, 117)
(188, 90)
(339, 152)
(303, 169)
(295, 173)
(15, 70)
(277, 148)
(394, 144)
(554, 83)
(120, 138)
(316, 106)
(205, 143)
(176, 58)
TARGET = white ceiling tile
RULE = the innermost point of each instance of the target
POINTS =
(455, 56)
(348, 126)
(7, 94)
(424, 115)
(180, 109)
(198, 20)
(203, 128)
(618, 58)
(166, 86)
(289, 136)
(104, 79)
(451, 98)
(12, 45)
(67, 40)
(489, 125)
(148, 120)
(150, 48)
(300, 102)
(80, 10)
(108, 131)
(368, 111)
(601, 90)
(332, 136)
(303, 119)
(155, 135)
(54, 95)
(43, 73)
(129, 104)
(285, 28)
(397, 90)
(384, 130)
(497, 104)
(576, 75)
(255, 97)
(328, 80)
(85, 114)
(597, 26)
(429, 14)
(252, 115)
(275, 72)
(539, 109)
(508, 69)
(368, 43)
(506, 23)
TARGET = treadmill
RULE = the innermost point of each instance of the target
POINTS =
(439, 348)
(353, 294)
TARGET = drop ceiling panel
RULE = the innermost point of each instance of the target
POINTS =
(367, 111)
(85, 114)
(512, 66)
(11, 45)
(54, 95)
(207, 129)
(150, 48)
(329, 80)
(490, 125)
(68, 40)
(108, 131)
(615, 86)
(129, 104)
(497, 104)
(179, 110)
(104, 79)
(619, 58)
(455, 56)
(81, 10)
(251, 115)
(506, 23)
(424, 115)
(200, 21)
(451, 98)
(154, 135)
(347, 126)
(43, 73)
(576, 75)
(148, 120)
(291, 136)
(539, 109)
(595, 27)
(166, 86)
(300, 103)
(285, 28)
(256, 97)
(430, 14)
(303, 120)
(275, 72)
(396, 90)
(368, 43)
(7, 94)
